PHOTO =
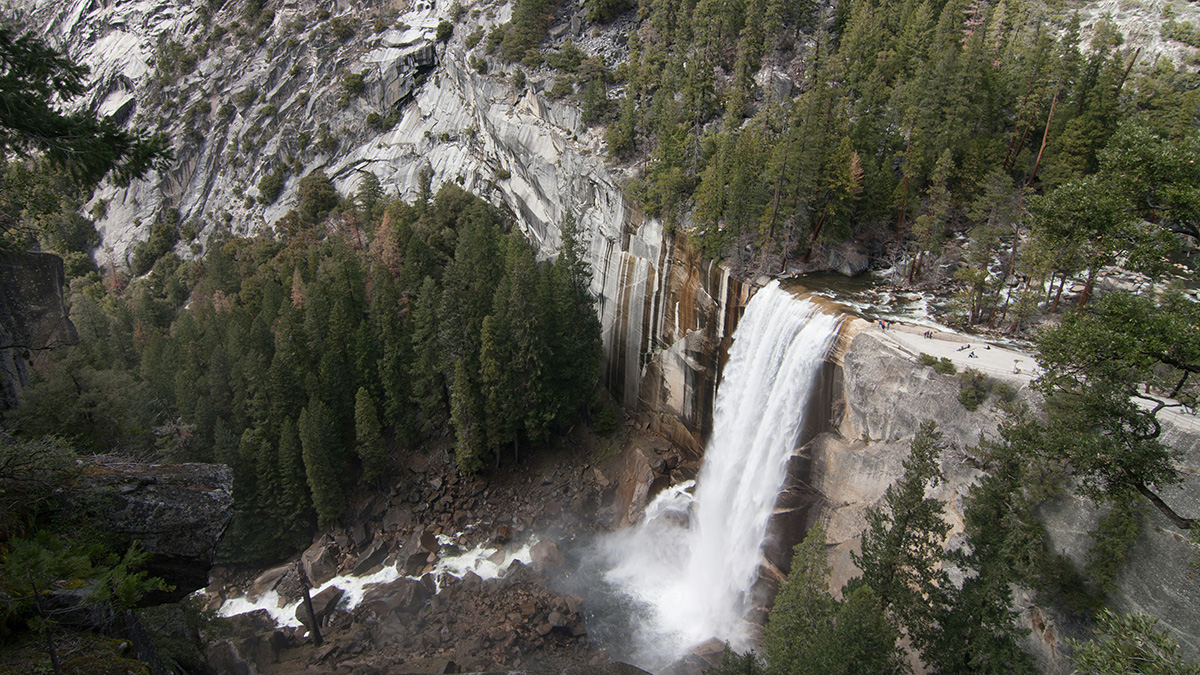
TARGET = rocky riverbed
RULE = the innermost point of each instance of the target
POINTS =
(465, 569)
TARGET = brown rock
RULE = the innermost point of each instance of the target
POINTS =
(545, 555)
(320, 561)
(397, 518)
(401, 595)
(267, 581)
(372, 557)
(323, 604)
(429, 541)
(574, 603)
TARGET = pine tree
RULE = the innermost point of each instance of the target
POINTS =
(466, 415)
(368, 440)
(902, 547)
(428, 377)
(322, 466)
(294, 504)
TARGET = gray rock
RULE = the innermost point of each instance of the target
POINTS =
(32, 317)
(176, 511)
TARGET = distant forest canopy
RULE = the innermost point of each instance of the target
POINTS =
(303, 358)
(911, 121)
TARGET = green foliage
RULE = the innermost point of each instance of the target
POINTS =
(246, 98)
(352, 86)
(342, 28)
(301, 357)
(36, 80)
(942, 366)
(1114, 535)
(1128, 643)
(368, 439)
(604, 11)
(30, 472)
(445, 29)
(322, 465)
(1181, 31)
(903, 542)
(270, 186)
(317, 197)
(810, 632)
(527, 28)
(1098, 365)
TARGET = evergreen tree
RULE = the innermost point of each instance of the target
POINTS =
(902, 546)
(368, 438)
(294, 503)
(322, 463)
(428, 377)
(467, 416)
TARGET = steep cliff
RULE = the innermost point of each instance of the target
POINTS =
(881, 395)
(32, 318)
(242, 103)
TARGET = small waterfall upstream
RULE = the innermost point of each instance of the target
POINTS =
(688, 569)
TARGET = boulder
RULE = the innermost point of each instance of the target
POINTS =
(415, 563)
(371, 558)
(267, 581)
(32, 317)
(429, 542)
(323, 604)
(401, 595)
(545, 555)
(176, 511)
(320, 561)
(397, 518)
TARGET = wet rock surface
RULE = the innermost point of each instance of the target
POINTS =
(517, 623)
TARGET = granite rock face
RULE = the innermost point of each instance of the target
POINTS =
(879, 400)
(32, 318)
(177, 512)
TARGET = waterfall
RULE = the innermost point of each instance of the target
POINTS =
(689, 567)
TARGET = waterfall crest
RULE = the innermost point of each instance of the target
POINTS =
(689, 567)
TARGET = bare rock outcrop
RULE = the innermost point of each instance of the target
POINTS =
(32, 317)
(177, 512)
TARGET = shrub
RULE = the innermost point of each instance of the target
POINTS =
(603, 11)
(943, 366)
(503, 174)
(563, 86)
(973, 389)
(342, 29)
(606, 419)
(474, 38)
(444, 30)
(269, 187)
(246, 97)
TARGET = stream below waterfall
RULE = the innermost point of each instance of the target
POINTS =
(686, 573)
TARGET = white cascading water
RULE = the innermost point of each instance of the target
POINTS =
(690, 565)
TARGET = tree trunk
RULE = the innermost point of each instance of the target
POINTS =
(1058, 295)
(1087, 288)
(1179, 521)
(1045, 136)
(312, 616)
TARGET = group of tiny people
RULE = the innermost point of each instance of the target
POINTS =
(928, 335)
